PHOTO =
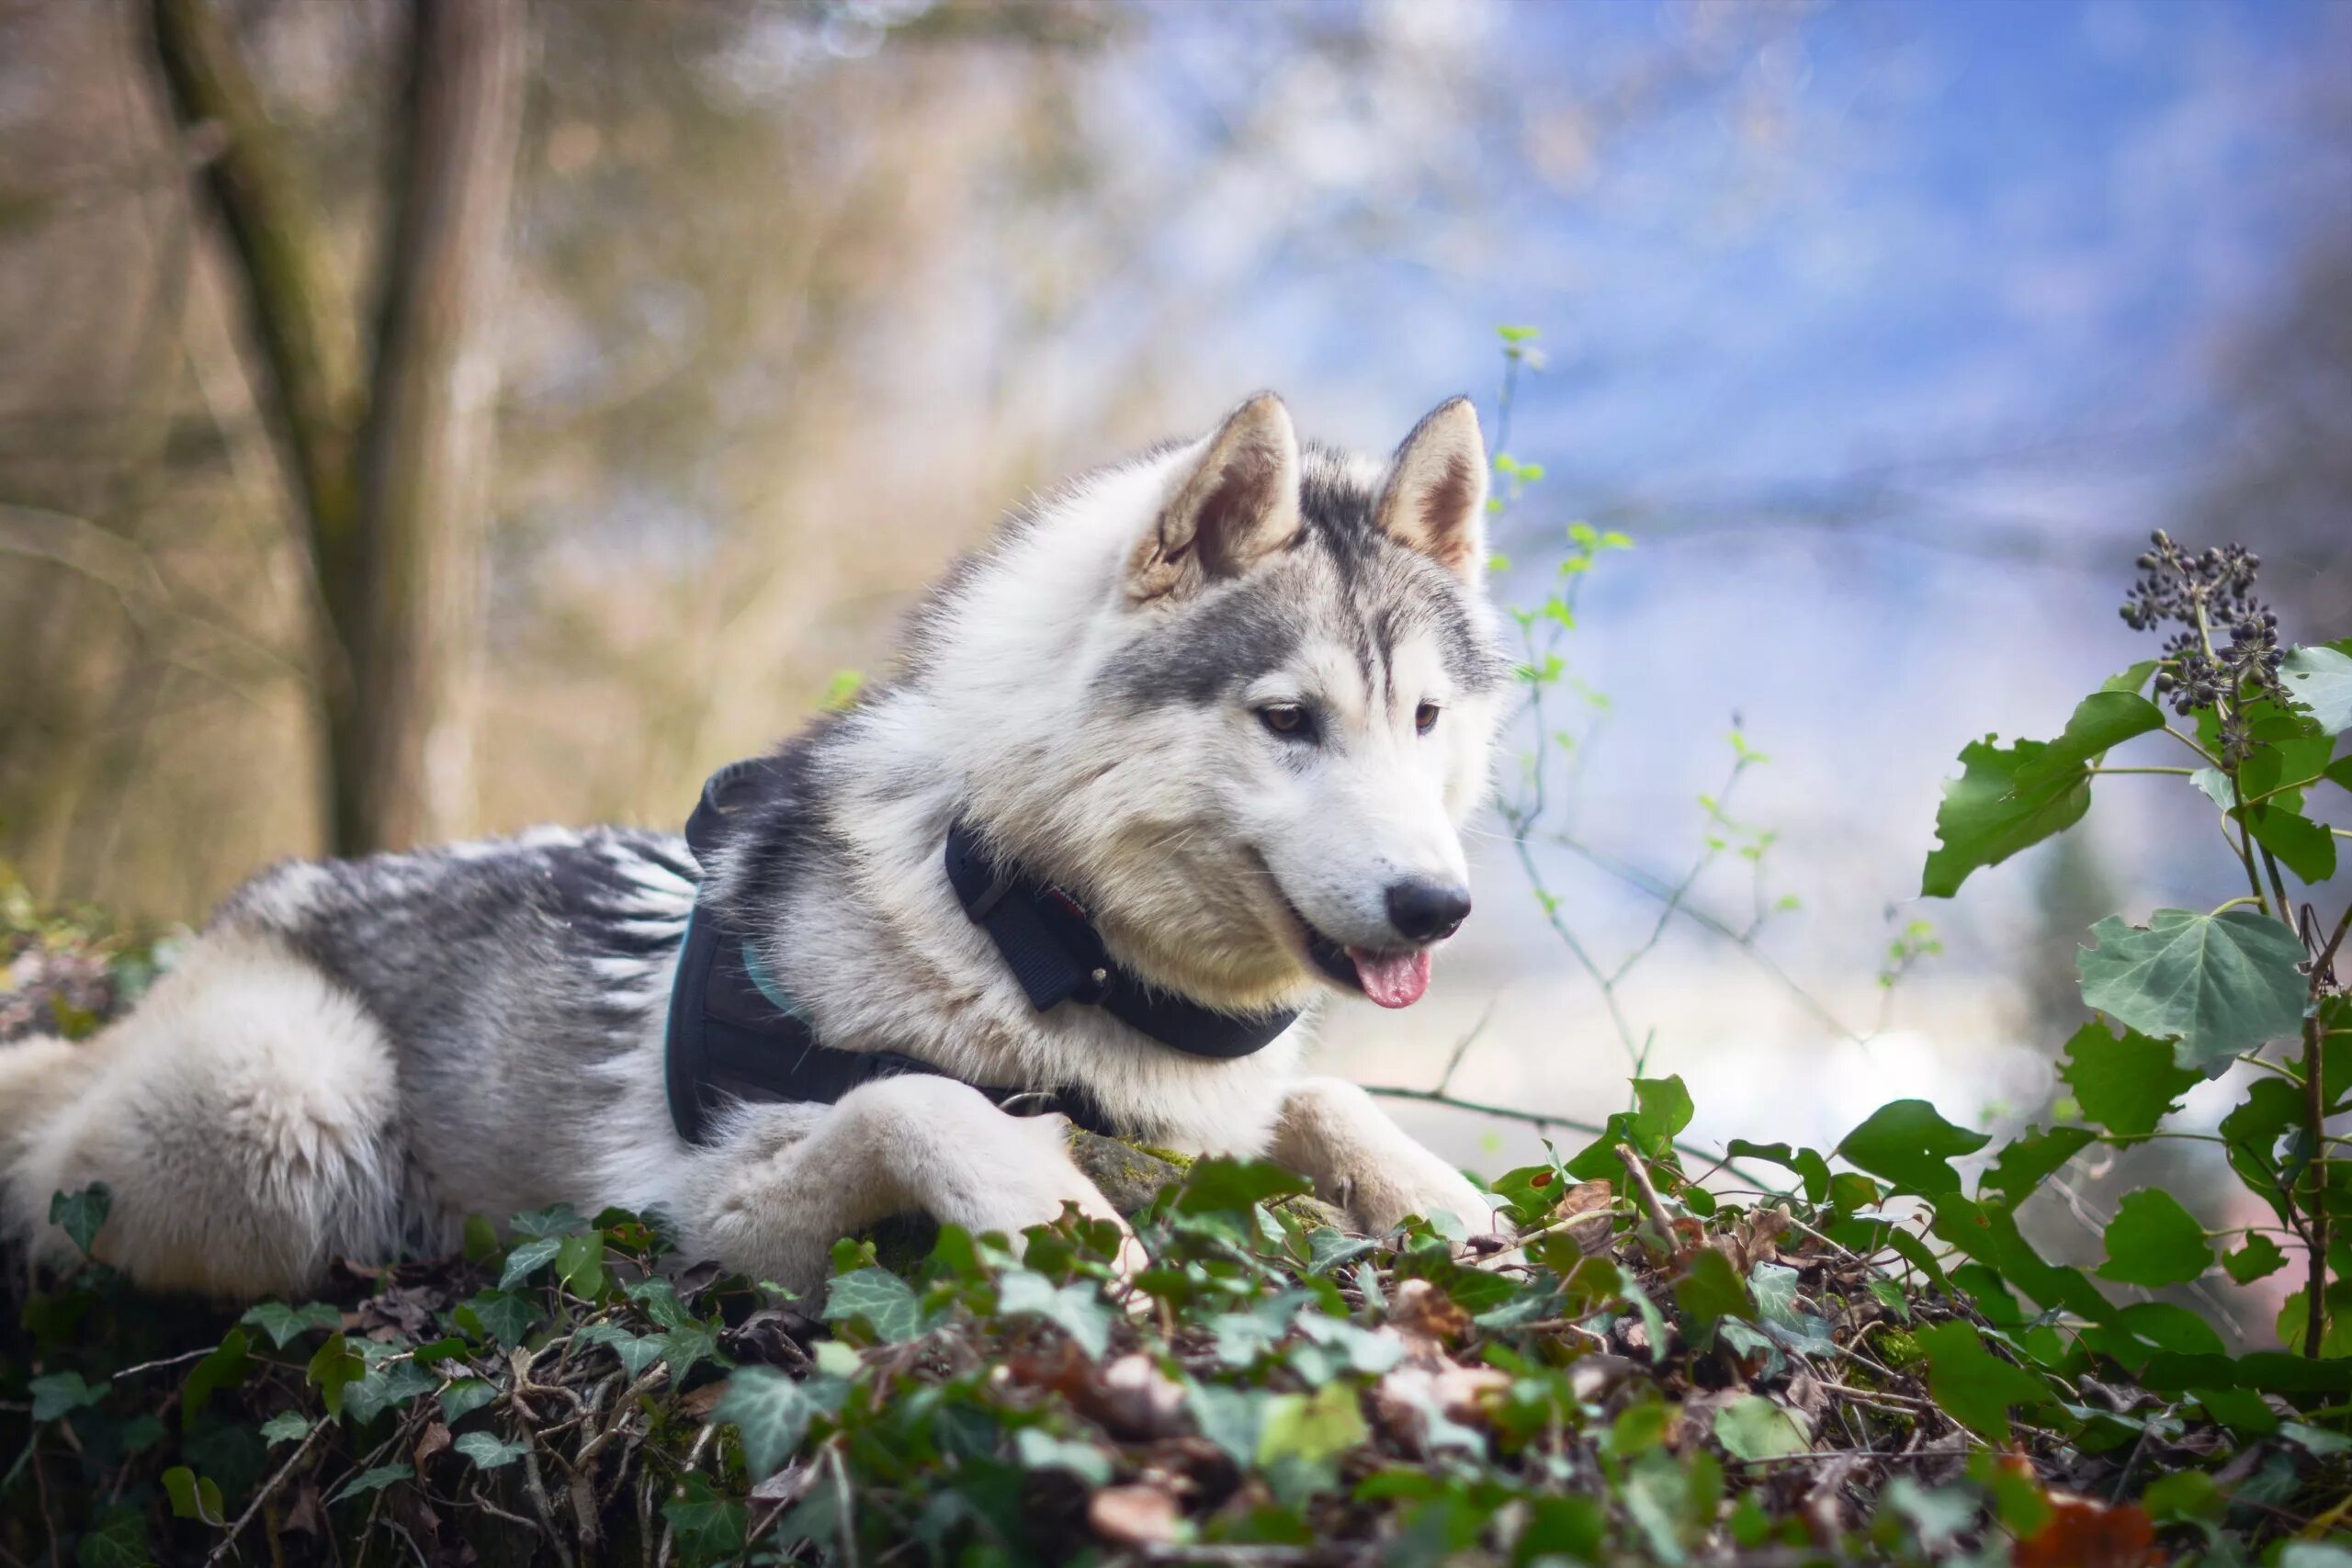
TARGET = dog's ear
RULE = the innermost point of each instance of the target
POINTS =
(1238, 504)
(1435, 500)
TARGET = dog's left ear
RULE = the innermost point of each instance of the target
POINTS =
(1435, 500)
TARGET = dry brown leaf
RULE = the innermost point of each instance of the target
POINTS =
(435, 1438)
(1134, 1515)
(1135, 1400)
(2083, 1532)
(1405, 1396)
(1418, 1307)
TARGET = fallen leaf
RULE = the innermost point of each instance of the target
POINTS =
(1134, 1515)
(2085, 1533)
(1420, 1308)
(435, 1438)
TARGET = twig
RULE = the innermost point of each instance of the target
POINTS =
(268, 1488)
(1640, 1172)
(195, 1355)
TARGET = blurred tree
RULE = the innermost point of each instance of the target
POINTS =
(391, 461)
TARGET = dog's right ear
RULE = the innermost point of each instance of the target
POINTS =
(1236, 505)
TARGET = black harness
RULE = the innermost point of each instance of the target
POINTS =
(735, 1034)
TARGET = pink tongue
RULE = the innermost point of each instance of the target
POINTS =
(1392, 980)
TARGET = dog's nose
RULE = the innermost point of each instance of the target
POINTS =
(1424, 911)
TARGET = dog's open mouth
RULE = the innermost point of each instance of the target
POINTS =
(1394, 979)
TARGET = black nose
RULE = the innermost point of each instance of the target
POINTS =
(1422, 910)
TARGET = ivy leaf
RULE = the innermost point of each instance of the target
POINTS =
(61, 1394)
(2259, 1258)
(286, 1426)
(2154, 1241)
(1711, 1289)
(284, 1325)
(529, 1258)
(80, 1214)
(2303, 846)
(558, 1222)
(1076, 1308)
(225, 1367)
(709, 1527)
(2032, 1158)
(118, 1540)
(580, 1263)
(1662, 1108)
(374, 1480)
(334, 1367)
(2321, 680)
(501, 1315)
(884, 1301)
(2126, 1085)
(488, 1450)
(1754, 1428)
(386, 1386)
(1806, 1163)
(1040, 1449)
(1312, 1427)
(771, 1411)
(2218, 984)
(1974, 1387)
(2008, 798)
(464, 1397)
(1907, 1142)
(194, 1496)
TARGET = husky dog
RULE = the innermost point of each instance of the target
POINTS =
(1230, 702)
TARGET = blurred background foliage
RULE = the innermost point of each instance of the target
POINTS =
(1886, 332)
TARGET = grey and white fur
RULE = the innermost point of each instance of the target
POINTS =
(1236, 695)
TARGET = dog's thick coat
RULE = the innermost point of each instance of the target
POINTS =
(1235, 696)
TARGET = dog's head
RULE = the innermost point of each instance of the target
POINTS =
(1282, 716)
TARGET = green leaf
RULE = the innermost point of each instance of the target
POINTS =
(709, 1527)
(559, 1220)
(2301, 845)
(1752, 1428)
(225, 1367)
(1077, 1308)
(1806, 1163)
(388, 1385)
(1313, 1427)
(503, 1315)
(489, 1451)
(884, 1302)
(1710, 1289)
(1229, 1417)
(1040, 1449)
(334, 1367)
(194, 1496)
(580, 1264)
(771, 1411)
(464, 1397)
(286, 1426)
(118, 1540)
(61, 1394)
(2321, 680)
(2007, 798)
(1974, 1387)
(529, 1258)
(80, 1214)
(2258, 1259)
(374, 1480)
(2154, 1241)
(284, 1325)
(2032, 1158)
(1662, 1108)
(2218, 984)
(1220, 1185)
(1907, 1142)
(2127, 1084)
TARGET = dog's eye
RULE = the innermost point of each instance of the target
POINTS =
(1425, 717)
(1289, 720)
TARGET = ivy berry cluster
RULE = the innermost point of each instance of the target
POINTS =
(2209, 593)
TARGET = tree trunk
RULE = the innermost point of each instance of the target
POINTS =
(391, 480)
(427, 446)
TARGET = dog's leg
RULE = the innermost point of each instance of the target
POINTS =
(772, 1208)
(243, 1119)
(1330, 1132)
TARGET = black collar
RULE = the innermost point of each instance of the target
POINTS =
(1057, 956)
